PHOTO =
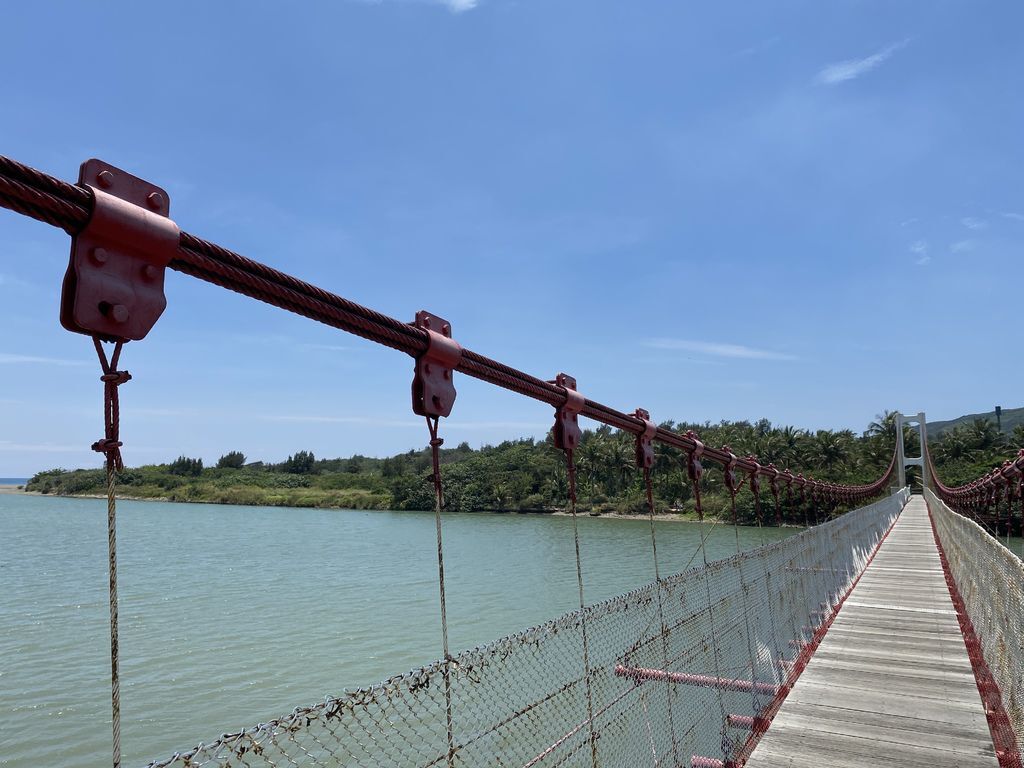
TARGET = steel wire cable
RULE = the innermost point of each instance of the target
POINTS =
(38, 195)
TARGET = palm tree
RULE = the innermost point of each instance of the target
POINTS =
(985, 435)
(830, 450)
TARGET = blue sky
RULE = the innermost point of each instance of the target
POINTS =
(805, 211)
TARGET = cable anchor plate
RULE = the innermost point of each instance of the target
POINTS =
(433, 387)
(645, 440)
(114, 285)
(567, 431)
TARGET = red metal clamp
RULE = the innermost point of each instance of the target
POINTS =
(773, 481)
(114, 286)
(755, 476)
(694, 469)
(645, 440)
(567, 427)
(730, 470)
(433, 388)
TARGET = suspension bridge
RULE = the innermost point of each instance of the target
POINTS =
(892, 631)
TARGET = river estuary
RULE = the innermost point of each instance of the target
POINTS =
(234, 615)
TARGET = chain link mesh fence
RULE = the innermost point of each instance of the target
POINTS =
(677, 668)
(990, 581)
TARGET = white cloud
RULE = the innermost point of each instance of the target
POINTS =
(1013, 216)
(920, 248)
(716, 349)
(9, 359)
(851, 69)
(908, 222)
(972, 223)
(962, 246)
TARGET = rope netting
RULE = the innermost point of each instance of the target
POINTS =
(691, 665)
(988, 587)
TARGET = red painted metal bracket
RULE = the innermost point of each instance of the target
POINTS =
(754, 476)
(433, 387)
(694, 468)
(729, 470)
(567, 427)
(114, 286)
(645, 440)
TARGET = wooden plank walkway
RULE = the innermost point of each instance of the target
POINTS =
(891, 683)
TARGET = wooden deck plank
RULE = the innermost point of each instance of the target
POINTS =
(891, 682)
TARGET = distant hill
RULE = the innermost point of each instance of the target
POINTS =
(1011, 417)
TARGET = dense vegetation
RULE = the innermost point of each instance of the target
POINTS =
(529, 475)
(1010, 419)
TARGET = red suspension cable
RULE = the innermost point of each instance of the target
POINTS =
(40, 196)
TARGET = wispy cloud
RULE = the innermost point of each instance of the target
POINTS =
(851, 69)
(1013, 216)
(9, 359)
(973, 223)
(716, 349)
(920, 249)
(962, 246)
(908, 222)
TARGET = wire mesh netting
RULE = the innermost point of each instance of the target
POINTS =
(990, 582)
(675, 668)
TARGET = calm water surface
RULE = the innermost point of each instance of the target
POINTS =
(235, 615)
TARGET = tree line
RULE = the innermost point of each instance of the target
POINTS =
(529, 475)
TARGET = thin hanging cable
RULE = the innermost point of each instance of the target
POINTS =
(694, 473)
(1020, 500)
(745, 606)
(669, 689)
(570, 466)
(435, 447)
(110, 447)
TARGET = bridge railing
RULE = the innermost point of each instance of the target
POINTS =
(988, 590)
(694, 664)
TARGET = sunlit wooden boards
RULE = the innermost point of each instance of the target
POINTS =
(891, 683)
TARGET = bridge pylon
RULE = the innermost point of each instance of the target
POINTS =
(902, 460)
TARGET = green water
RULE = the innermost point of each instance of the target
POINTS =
(234, 615)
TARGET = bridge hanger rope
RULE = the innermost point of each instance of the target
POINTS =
(570, 466)
(645, 456)
(110, 446)
(435, 448)
(733, 487)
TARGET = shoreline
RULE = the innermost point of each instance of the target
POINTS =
(662, 517)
